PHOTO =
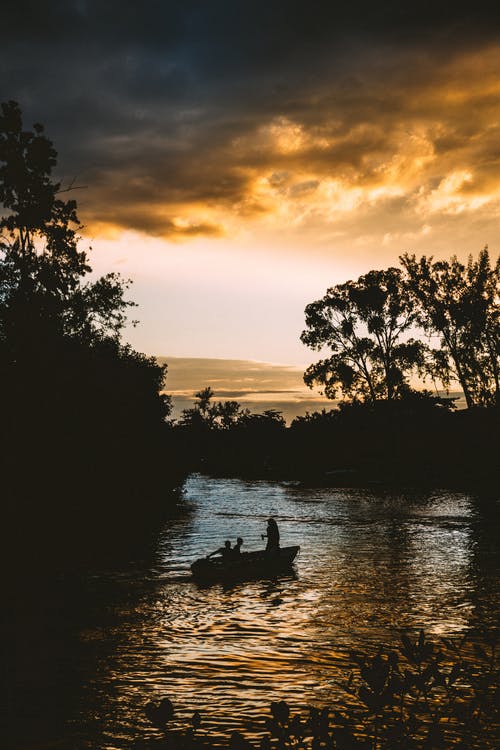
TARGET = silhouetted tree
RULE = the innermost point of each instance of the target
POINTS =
(80, 410)
(461, 304)
(208, 415)
(41, 289)
(270, 419)
(227, 414)
(363, 323)
(200, 415)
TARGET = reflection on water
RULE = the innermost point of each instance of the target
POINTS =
(369, 565)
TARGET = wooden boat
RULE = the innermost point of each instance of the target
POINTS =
(259, 564)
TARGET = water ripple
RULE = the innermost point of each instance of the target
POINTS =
(370, 565)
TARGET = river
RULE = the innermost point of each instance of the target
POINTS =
(371, 564)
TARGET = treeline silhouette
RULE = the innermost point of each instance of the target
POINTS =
(85, 460)
(433, 320)
(417, 439)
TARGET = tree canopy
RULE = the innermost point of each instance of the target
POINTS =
(375, 330)
(460, 303)
(363, 324)
(42, 288)
(80, 409)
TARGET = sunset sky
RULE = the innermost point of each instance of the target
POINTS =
(241, 157)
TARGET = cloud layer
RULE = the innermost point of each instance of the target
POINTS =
(256, 385)
(376, 124)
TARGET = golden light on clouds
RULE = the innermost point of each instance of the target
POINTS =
(400, 156)
(240, 161)
(436, 158)
(405, 152)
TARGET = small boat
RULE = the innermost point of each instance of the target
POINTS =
(259, 564)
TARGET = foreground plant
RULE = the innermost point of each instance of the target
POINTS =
(418, 697)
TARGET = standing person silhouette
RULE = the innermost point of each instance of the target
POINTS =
(273, 536)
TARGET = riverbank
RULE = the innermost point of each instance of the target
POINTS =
(358, 447)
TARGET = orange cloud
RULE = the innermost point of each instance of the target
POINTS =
(409, 135)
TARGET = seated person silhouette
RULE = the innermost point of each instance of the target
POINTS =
(236, 551)
(225, 551)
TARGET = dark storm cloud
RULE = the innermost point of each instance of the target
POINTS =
(270, 26)
(161, 108)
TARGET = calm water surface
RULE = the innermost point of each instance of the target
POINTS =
(370, 565)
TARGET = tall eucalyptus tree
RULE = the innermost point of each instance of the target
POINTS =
(460, 303)
(365, 325)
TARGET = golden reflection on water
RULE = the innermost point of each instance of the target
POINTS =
(369, 567)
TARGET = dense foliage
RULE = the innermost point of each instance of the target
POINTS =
(417, 439)
(362, 323)
(83, 421)
(365, 326)
(461, 305)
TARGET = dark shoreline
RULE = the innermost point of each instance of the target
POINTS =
(362, 448)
